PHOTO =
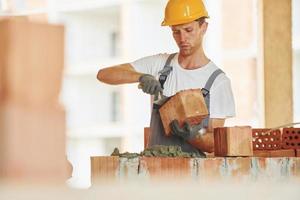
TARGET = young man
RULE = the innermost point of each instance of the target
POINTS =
(171, 73)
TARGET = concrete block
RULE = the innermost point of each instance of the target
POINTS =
(32, 59)
(187, 105)
(32, 143)
(233, 141)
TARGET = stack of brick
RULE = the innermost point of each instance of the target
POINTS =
(274, 143)
(199, 170)
(32, 122)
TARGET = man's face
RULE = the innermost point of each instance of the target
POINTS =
(189, 36)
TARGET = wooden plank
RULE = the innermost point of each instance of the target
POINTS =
(275, 58)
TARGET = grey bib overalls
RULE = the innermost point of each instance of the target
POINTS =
(157, 135)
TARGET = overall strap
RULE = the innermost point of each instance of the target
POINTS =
(206, 93)
(166, 70)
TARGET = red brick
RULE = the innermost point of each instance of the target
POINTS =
(238, 168)
(32, 59)
(32, 143)
(298, 152)
(166, 168)
(274, 153)
(295, 165)
(233, 141)
(146, 136)
(264, 140)
(187, 105)
(211, 169)
(104, 168)
(291, 138)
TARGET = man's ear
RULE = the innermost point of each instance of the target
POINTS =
(204, 27)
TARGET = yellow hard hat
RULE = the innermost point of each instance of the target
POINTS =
(183, 11)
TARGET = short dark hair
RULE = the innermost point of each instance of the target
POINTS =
(201, 20)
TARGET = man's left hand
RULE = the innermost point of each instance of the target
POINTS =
(186, 132)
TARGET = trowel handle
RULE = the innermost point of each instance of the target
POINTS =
(158, 96)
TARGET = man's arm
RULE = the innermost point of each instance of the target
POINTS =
(119, 74)
(205, 142)
(125, 73)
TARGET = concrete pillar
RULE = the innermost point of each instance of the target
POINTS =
(275, 59)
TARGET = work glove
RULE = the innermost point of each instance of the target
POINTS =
(149, 84)
(186, 132)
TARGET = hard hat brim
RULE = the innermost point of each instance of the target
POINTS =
(178, 22)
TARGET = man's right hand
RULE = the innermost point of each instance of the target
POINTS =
(149, 84)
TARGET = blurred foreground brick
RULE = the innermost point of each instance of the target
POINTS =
(32, 143)
(31, 62)
(32, 123)
(202, 170)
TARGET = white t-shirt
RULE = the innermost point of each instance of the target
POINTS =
(221, 97)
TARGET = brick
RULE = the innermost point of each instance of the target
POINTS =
(274, 153)
(291, 138)
(298, 152)
(32, 59)
(211, 169)
(32, 143)
(238, 168)
(271, 169)
(295, 168)
(146, 136)
(265, 140)
(218, 169)
(233, 141)
(104, 168)
(166, 168)
(187, 105)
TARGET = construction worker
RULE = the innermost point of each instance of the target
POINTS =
(190, 68)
